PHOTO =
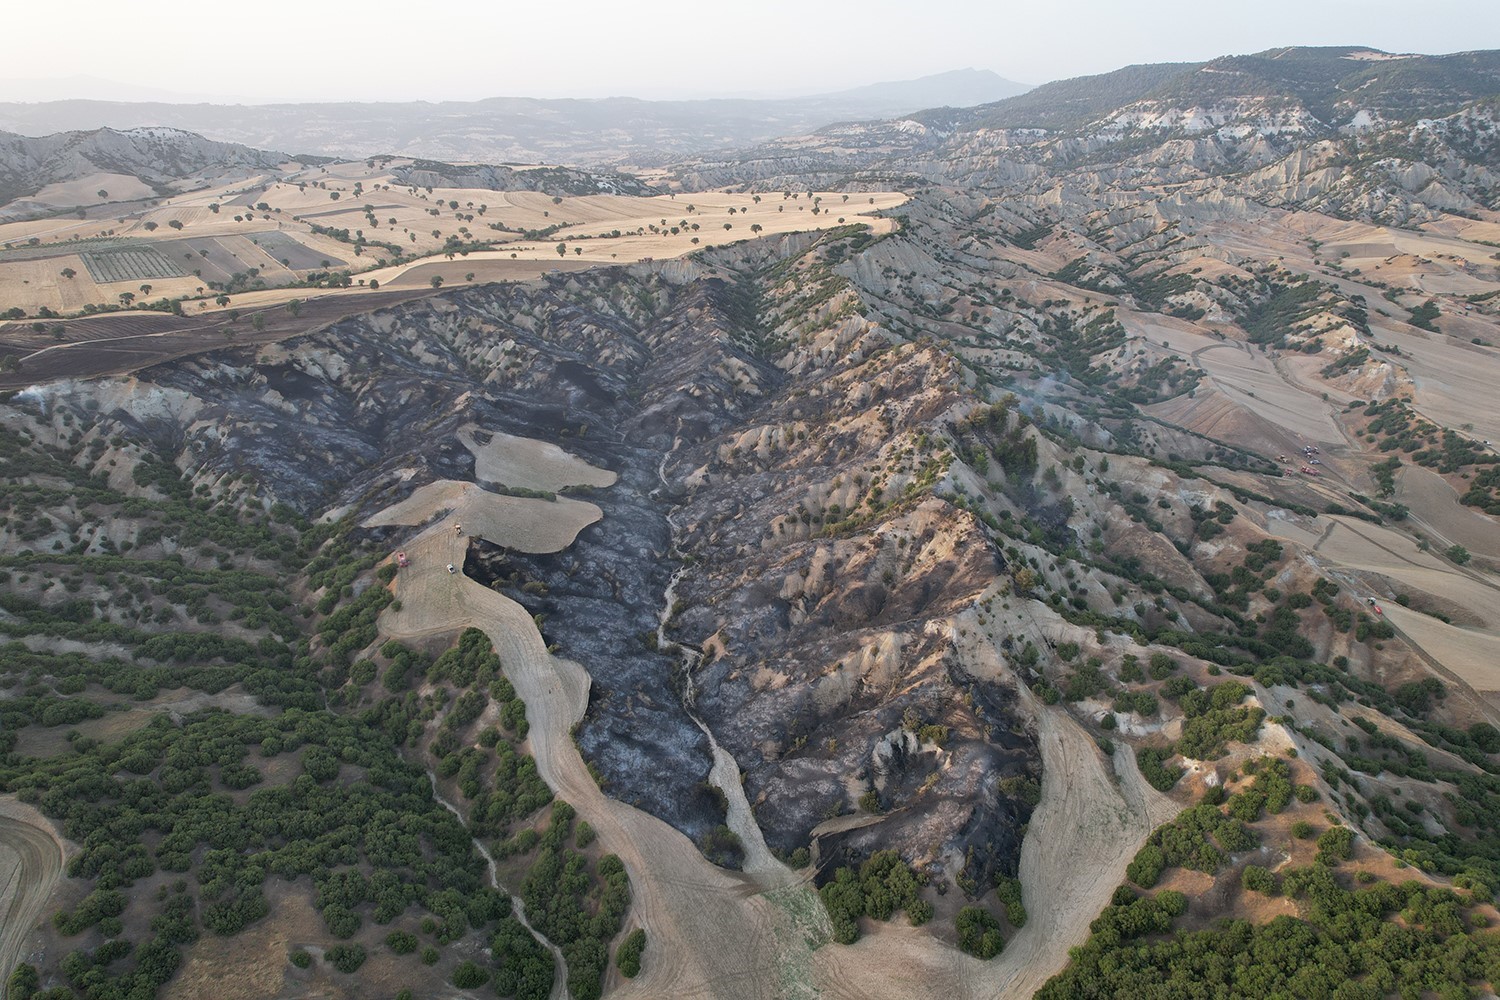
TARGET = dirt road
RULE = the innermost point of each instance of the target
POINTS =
(720, 934)
(711, 932)
(1093, 817)
(31, 860)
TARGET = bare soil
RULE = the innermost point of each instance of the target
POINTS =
(117, 343)
(31, 862)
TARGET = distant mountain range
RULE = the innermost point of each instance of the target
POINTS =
(83, 87)
(1333, 84)
(516, 129)
(1350, 132)
(1253, 126)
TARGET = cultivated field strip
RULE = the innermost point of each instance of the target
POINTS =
(130, 264)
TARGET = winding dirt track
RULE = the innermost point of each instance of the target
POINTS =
(711, 931)
(31, 861)
(719, 934)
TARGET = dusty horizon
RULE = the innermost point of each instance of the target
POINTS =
(679, 52)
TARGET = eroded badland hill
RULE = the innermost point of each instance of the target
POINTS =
(1075, 574)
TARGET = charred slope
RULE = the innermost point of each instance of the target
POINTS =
(822, 573)
(744, 407)
(616, 366)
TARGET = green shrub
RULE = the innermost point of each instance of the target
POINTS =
(401, 942)
(1008, 891)
(23, 982)
(469, 976)
(1336, 844)
(979, 932)
(1258, 879)
(1145, 871)
(918, 912)
(628, 955)
(347, 958)
(1151, 762)
(882, 886)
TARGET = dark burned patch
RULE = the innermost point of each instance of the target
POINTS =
(620, 380)
(449, 459)
(956, 783)
(599, 600)
(292, 384)
(580, 376)
(527, 418)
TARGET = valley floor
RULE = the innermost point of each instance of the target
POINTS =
(761, 934)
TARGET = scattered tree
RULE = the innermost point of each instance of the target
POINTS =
(628, 956)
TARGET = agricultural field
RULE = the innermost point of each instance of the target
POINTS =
(310, 227)
(130, 264)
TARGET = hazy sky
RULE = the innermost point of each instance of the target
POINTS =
(462, 50)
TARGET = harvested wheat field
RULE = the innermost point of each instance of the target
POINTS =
(524, 523)
(1245, 375)
(525, 462)
(1435, 502)
(1447, 377)
(1216, 414)
(1393, 559)
(1471, 655)
(1358, 545)
(254, 238)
